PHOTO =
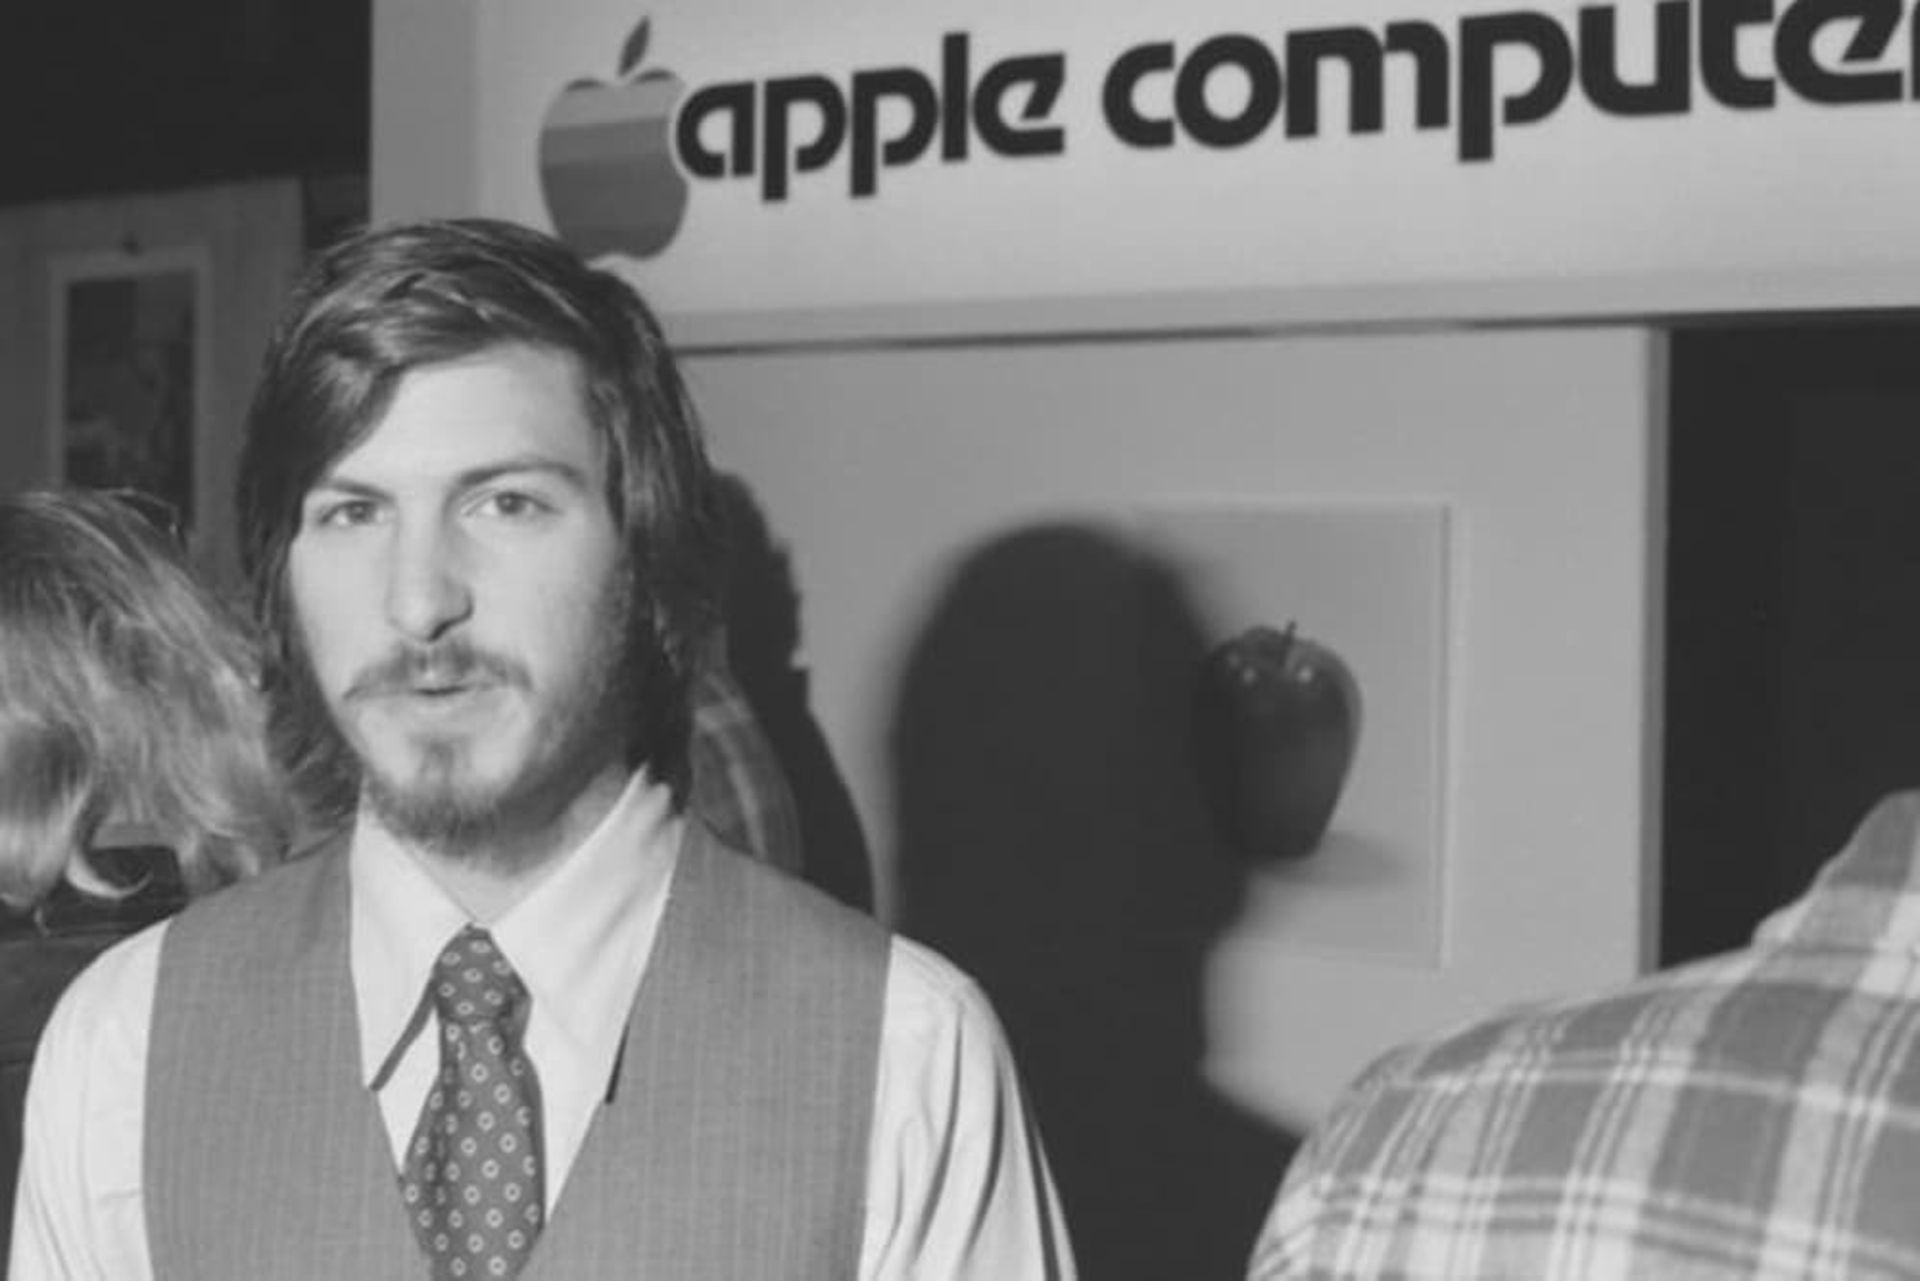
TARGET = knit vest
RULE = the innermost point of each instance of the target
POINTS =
(732, 1145)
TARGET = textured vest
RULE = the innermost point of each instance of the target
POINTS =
(732, 1145)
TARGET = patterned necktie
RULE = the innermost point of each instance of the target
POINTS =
(473, 1179)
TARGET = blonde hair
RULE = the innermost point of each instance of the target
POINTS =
(127, 690)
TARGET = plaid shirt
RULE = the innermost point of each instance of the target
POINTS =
(1751, 1115)
(738, 787)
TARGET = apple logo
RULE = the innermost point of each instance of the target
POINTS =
(606, 160)
(1276, 722)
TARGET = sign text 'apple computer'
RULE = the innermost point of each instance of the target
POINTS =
(1485, 74)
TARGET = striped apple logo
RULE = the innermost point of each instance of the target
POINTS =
(606, 160)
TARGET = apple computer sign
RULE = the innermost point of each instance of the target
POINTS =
(616, 158)
(606, 159)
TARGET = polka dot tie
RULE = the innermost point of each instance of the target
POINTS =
(473, 1180)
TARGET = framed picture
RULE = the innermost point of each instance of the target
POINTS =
(130, 374)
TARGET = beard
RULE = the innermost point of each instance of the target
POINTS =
(441, 807)
(440, 801)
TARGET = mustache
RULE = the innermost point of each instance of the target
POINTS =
(458, 662)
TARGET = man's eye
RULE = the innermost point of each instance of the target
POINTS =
(512, 504)
(351, 511)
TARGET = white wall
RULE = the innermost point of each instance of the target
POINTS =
(423, 149)
(881, 468)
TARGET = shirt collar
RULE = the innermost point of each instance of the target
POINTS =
(1867, 896)
(579, 939)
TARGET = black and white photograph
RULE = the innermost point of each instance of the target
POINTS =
(1023, 640)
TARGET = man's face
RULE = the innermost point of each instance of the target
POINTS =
(459, 587)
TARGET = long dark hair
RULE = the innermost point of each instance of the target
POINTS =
(390, 300)
(126, 690)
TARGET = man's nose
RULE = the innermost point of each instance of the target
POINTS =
(427, 589)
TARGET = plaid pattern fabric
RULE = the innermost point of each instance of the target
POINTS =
(739, 788)
(1750, 1115)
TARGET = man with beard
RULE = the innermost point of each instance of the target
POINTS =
(525, 1013)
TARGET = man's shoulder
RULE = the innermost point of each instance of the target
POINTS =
(808, 905)
(1663, 1005)
(102, 1017)
(113, 996)
(933, 991)
(109, 1004)
(1458, 1105)
(928, 998)
(256, 899)
(1648, 1121)
(938, 1016)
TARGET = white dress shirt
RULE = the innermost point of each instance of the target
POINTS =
(957, 1184)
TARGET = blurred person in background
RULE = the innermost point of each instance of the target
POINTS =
(134, 761)
(1750, 1115)
(738, 787)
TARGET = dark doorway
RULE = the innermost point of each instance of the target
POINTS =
(1793, 609)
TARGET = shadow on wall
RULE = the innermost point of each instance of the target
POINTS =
(762, 612)
(1048, 844)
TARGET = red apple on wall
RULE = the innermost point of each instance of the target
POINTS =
(606, 160)
(1276, 723)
